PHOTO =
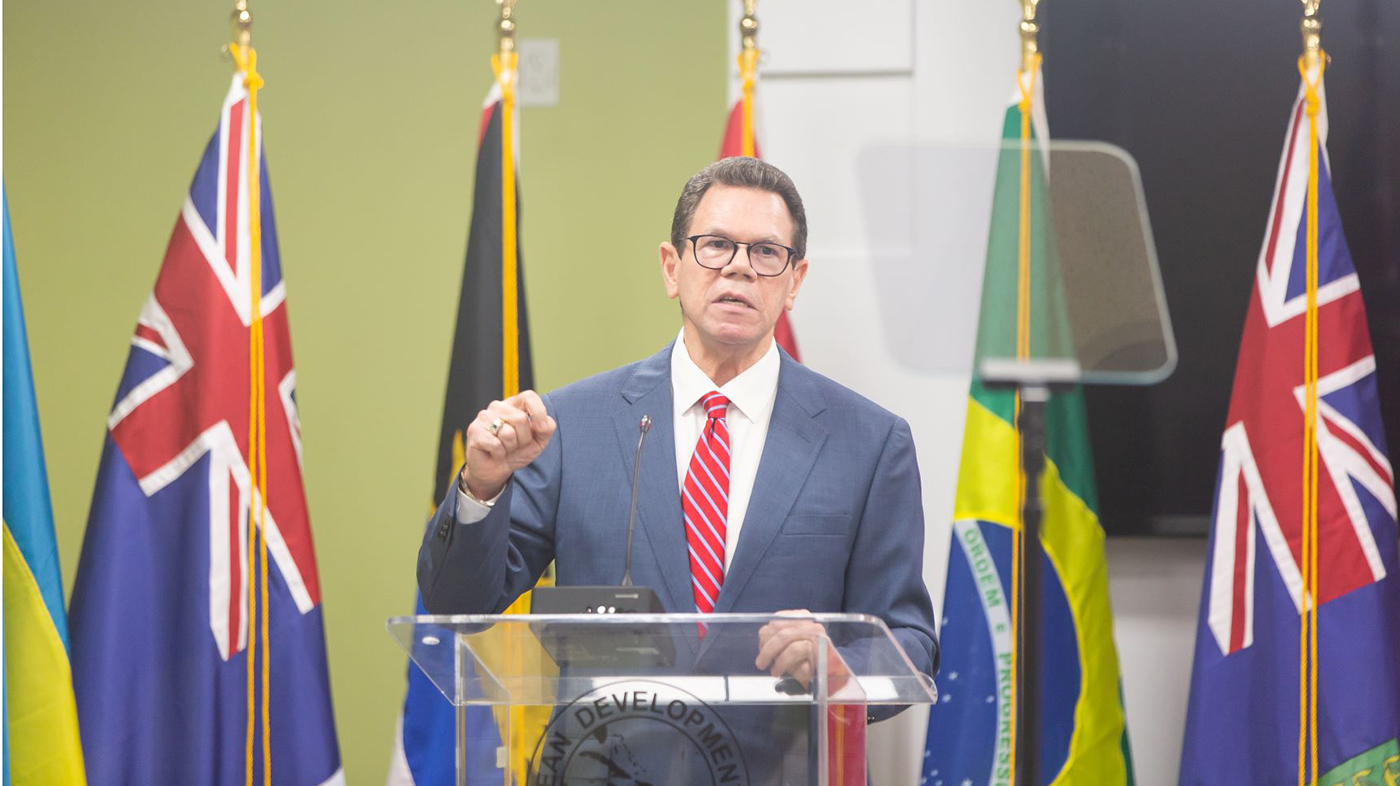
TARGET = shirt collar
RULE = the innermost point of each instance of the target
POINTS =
(750, 392)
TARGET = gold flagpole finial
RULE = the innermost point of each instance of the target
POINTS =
(242, 25)
(505, 28)
(1030, 31)
(1312, 34)
(748, 26)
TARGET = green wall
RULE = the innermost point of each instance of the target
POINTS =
(370, 115)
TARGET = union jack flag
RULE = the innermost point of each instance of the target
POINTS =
(159, 618)
(1246, 670)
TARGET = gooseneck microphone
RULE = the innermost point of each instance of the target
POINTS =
(643, 427)
(624, 598)
(611, 646)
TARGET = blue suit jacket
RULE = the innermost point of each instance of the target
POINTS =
(834, 524)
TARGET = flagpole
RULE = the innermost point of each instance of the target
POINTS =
(505, 67)
(504, 64)
(748, 74)
(1030, 32)
(1312, 34)
(242, 25)
(1310, 65)
(1029, 421)
(246, 60)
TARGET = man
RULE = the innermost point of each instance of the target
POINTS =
(764, 486)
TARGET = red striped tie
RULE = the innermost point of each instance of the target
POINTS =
(705, 502)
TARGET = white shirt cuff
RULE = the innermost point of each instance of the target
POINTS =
(470, 511)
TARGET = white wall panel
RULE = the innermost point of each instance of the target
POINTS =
(1156, 588)
(838, 80)
(965, 67)
(814, 129)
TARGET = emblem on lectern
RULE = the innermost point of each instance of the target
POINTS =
(638, 733)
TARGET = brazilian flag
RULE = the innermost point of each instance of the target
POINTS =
(970, 734)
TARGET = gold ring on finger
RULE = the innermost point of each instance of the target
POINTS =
(496, 426)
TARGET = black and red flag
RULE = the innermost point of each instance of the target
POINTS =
(477, 371)
(490, 360)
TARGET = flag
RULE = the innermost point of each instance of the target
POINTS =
(1242, 722)
(161, 627)
(733, 145)
(41, 719)
(423, 744)
(1082, 731)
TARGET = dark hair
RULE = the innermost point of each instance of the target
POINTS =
(742, 172)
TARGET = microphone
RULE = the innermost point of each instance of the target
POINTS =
(611, 646)
(621, 599)
(643, 427)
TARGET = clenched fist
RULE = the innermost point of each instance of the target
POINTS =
(505, 437)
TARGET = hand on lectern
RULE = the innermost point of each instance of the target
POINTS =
(788, 648)
(505, 437)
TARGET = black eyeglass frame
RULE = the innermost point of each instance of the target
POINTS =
(695, 251)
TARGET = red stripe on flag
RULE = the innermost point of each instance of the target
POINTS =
(786, 339)
(1355, 444)
(1242, 534)
(485, 122)
(1342, 564)
(732, 144)
(150, 334)
(234, 144)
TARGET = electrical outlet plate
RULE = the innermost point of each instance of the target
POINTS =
(539, 71)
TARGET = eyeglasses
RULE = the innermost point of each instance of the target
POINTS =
(717, 251)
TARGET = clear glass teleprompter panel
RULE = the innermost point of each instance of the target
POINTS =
(989, 254)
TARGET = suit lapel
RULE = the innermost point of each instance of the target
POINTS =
(794, 440)
(648, 392)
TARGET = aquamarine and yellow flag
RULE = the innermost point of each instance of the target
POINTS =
(41, 719)
(971, 734)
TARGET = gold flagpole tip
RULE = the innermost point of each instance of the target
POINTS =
(748, 32)
(749, 25)
(1312, 34)
(505, 27)
(1030, 33)
(242, 20)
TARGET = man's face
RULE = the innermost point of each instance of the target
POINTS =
(733, 307)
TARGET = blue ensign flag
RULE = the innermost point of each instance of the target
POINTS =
(1242, 723)
(160, 612)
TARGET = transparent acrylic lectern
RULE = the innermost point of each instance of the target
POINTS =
(653, 698)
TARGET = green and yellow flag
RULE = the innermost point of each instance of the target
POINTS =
(972, 730)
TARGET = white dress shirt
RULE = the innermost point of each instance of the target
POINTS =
(751, 396)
